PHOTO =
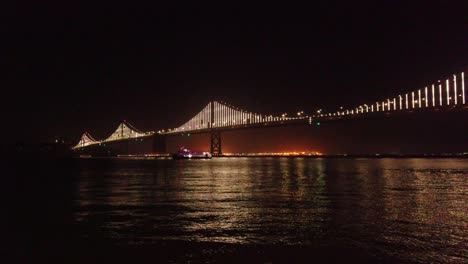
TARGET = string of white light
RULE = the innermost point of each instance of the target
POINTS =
(447, 94)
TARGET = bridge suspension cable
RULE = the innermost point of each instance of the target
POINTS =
(86, 140)
(124, 131)
(221, 115)
(449, 93)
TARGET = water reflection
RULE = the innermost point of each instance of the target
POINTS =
(410, 208)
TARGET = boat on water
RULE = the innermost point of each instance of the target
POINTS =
(185, 153)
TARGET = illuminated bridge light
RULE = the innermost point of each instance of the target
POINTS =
(448, 91)
(426, 101)
(419, 97)
(440, 94)
(455, 88)
(406, 101)
(124, 131)
(86, 140)
(225, 115)
(463, 87)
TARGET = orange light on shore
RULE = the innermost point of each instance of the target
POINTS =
(279, 154)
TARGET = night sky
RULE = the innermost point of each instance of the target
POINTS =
(71, 67)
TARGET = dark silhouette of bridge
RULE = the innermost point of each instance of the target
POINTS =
(216, 116)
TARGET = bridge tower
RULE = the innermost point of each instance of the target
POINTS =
(216, 142)
(215, 138)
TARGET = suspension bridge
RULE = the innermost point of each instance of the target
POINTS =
(217, 116)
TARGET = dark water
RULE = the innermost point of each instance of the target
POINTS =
(244, 209)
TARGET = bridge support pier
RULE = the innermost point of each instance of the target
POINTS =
(216, 142)
(159, 144)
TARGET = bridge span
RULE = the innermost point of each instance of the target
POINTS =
(217, 117)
